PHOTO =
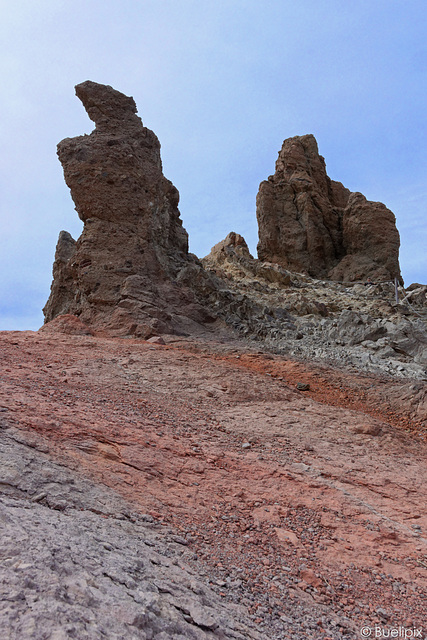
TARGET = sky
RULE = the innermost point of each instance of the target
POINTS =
(222, 83)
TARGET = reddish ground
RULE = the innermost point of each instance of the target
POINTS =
(316, 495)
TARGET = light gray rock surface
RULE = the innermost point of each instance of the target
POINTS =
(78, 562)
(357, 325)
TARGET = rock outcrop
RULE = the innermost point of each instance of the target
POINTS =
(130, 272)
(352, 324)
(311, 224)
(119, 277)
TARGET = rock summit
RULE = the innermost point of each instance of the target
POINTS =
(312, 224)
(119, 275)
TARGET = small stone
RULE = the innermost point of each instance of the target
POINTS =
(246, 445)
(202, 618)
(59, 505)
(39, 496)
(303, 386)
(366, 429)
(156, 340)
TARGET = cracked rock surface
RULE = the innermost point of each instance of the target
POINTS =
(310, 223)
(192, 488)
(77, 562)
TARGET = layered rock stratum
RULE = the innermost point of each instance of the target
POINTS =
(190, 490)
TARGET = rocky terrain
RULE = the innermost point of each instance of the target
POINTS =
(359, 324)
(226, 447)
(191, 490)
(130, 272)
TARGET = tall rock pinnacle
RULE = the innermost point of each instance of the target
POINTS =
(312, 224)
(119, 275)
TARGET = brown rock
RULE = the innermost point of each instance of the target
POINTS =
(231, 258)
(120, 275)
(310, 578)
(68, 324)
(156, 340)
(287, 537)
(63, 288)
(311, 224)
(368, 429)
(233, 244)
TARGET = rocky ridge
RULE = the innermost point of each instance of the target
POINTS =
(130, 272)
(353, 324)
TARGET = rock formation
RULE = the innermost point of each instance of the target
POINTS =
(356, 325)
(231, 259)
(311, 224)
(119, 277)
(130, 273)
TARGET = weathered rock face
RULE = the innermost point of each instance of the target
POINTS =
(119, 275)
(311, 224)
(356, 324)
(63, 289)
(231, 259)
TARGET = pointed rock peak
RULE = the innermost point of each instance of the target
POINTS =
(120, 275)
(106, 106)
(311, 224)
(306, 143)
(233, 242)
(236, 241)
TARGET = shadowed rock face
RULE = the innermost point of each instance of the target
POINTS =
(312, 224)
(63, 289)
(119, 275)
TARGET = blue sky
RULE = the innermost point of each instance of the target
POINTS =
(222, 83)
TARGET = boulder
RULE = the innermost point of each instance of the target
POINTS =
(68, 324)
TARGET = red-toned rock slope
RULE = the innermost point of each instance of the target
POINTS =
(287, 513)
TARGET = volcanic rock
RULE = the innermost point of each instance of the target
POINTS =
(311, 224)
(68, 324)
(130, 272)
(356, 324)
(231, 257)
(119, 277)
(63, 289)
